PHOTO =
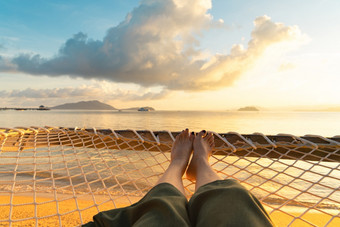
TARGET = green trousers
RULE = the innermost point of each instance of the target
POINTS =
(219, 203)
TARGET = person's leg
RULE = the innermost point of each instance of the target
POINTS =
(219, 202)
(199, 169)
(180, 155)
(165, 204)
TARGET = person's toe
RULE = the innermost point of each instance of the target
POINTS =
(202, 133)
(186, 132)
(183, 133)
(192, 136)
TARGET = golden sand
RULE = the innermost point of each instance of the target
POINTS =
(295, 216)
(45, 212)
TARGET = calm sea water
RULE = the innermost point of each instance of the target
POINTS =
(297, 123)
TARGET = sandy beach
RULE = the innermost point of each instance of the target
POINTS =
(45, 212)
(286, 215)
(68, 215)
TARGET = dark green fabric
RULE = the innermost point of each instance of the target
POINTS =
(219, 203)
(163, 205)
(226, 203)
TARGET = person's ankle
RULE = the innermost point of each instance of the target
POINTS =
(178, 164)
(201, 159)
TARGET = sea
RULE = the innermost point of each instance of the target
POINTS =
(267, 122)
(326, 124)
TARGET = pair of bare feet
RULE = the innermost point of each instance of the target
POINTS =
(202, 144)
(199, 169)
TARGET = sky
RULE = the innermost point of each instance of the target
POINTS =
(171, 54)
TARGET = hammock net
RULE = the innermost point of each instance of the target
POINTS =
(64, 176)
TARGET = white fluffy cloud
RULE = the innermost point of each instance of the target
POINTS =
(156, 45)
(83, 92)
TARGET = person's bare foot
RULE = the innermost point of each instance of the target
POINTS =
(182, 149)
(203, 145)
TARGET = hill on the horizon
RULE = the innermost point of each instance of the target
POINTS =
(248, 108)
(85, 105)
(137, 108)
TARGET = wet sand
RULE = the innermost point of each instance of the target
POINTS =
(70, 211)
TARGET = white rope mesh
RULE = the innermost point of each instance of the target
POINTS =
(62, 176)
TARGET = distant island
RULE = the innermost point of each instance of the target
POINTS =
(96, 105)
(145, 108)
(85, 105)
(248, 108)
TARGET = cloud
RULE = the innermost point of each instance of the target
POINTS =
(85, 92)
(6, 65)
(50, 93)
(286, 66)
(133, 96)
(157, 45)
